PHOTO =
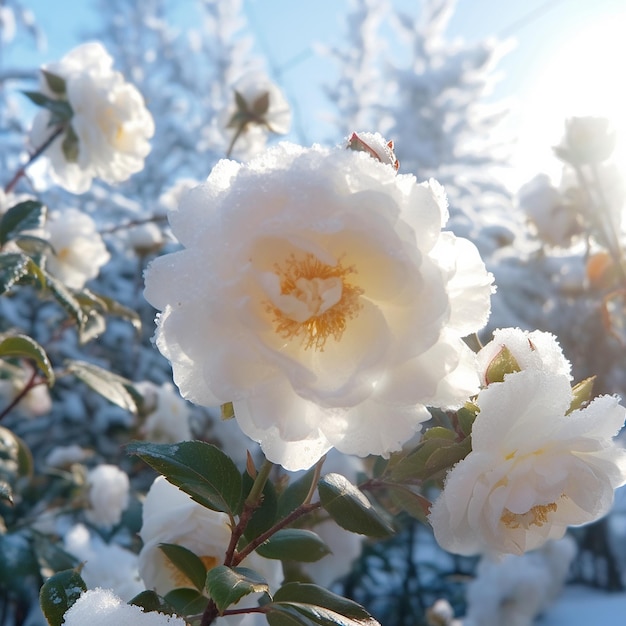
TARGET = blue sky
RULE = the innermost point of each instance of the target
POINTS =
(287, 32)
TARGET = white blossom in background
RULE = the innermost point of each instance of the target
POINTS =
(533, 470)
(108, 495)
(106, 565)
(536, 350)
(110, 128)
(258, 107)
(101, 607)
(34, 403)
(167, 414)
(515, 590)
(78, 251)
(555, 221)
(145, 238)
(171, 516)
(64, 456)
(441, 613)
(317, 292)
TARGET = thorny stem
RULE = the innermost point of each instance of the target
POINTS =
(33, 157)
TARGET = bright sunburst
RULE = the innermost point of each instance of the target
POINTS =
(586, 76)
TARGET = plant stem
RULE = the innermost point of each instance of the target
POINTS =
(234, 140)
(33, 157)
(251, 503)
(27, 387)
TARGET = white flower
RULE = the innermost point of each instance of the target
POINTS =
(171, 516)
(101, 607)
(168, 414)
(108, 494)
(535, 350)
(109, 128)
(79, 251)
(64, 456)
(317, 292)
(109, 566)
(514, 590)
(533, 470)
(556, 220)
(258, 107)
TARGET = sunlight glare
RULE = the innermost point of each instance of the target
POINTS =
(585, 77)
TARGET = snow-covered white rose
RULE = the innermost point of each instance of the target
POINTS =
(533, 470)
(105, 565)
(171, 516)
(167, 419)
(535, 350)
(317, 292)
(110, 127)
(108, 494)
(78, 251)
(101, 607)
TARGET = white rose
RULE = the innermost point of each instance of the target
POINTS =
(101, 607)
(533, 470)
(78, 249)
(108, 495)
(168, 414)
(535, 350)
(110, 122)
(105, 565)
(317, 292)
(171, 516)
(263, 108)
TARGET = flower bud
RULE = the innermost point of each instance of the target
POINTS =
(375, 145)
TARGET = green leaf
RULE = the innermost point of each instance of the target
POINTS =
(199, 469)
(285, 615)
(55, 83)
(439, 432)
(294, 544)
(59, 593)
(186, 601)
(581, 393)
(14, 450)
(187, 563)
(350, 508)
(264, 516)
(67, 300)
(227, 585)
(109, 306)
(70, 146)
(13, 266)
(22, 346)
(503, 363)
(50, 555)
(322, 606)
(150, 602)
(466, 416)
(27, 215)
(414, 504)
(60, 109)
(109, 385)
(295, 493)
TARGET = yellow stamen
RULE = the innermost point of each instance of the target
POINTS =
(302, 278)
(537, 516)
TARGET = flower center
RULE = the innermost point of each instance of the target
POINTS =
(312, 300)
(536, 516)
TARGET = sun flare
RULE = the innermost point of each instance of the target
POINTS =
(585, 77)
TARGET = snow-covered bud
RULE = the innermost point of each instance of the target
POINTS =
(588, 140)
(108, 495)
(375, 145)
